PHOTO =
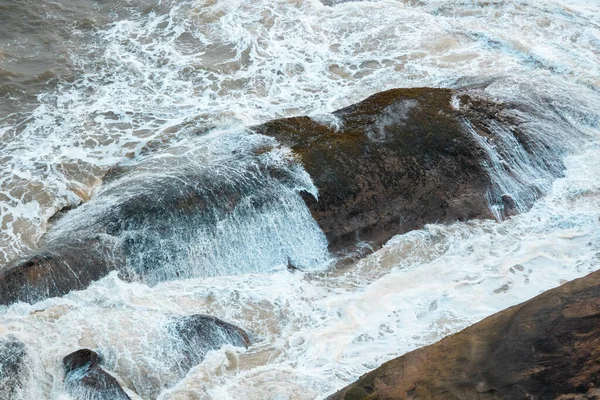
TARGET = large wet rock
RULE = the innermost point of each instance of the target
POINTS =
(85, 379)
(397, 161)
(545, 348)
(153, 223)
(235, 202)
(13, 370)
(57, 270)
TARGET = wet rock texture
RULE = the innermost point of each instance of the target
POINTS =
(396, 161)
(545, 348)
(13, 374)
(392, 163)
(183, 343)
(57, 270)
(193, 336)
(196, 335)
(85, 379)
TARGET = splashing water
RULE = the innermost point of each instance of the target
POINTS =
(214, 209)
(145, 91)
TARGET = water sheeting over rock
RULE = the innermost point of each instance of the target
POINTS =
(408, 157)
(219, 208)
(232, 202)
(170, 348)
(196, 335)
(179, 343)
(13, 369)
(85, 379)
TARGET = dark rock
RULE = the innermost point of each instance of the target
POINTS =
(13, 372)
(195, 335)
(57, 270)
(398, 160)
(401, 159)
(291, 266)
(545, 348)
(85, 379)
(83, 358)
(509, 206)
(180, 344)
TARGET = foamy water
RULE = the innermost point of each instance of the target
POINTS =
(156, 82)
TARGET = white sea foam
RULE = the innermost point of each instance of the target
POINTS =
(149, 84)
(317, 332)
(155, 78)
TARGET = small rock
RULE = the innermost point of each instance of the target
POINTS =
(84, 379)
(503, 288)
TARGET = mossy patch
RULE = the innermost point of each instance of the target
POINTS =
(391, 158)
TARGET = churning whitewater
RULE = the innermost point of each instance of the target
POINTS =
(102, 104)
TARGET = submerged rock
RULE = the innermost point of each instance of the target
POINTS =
(545, 348)
(13, 374)
(193, 336)
(84, 379)
(170, 349)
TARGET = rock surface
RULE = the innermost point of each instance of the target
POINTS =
(13, 355)
(191, 337)
(392, 163)
(56, 271)
(199, 334)
(396, 161)
(545, 348)
(178, 343)
(85, 379)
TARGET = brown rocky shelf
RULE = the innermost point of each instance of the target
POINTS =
(545, 348)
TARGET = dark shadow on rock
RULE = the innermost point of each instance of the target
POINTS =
(13, 374)
(545, 348)
(84, 379)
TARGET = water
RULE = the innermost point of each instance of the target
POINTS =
(158, 85)
(212, 207)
